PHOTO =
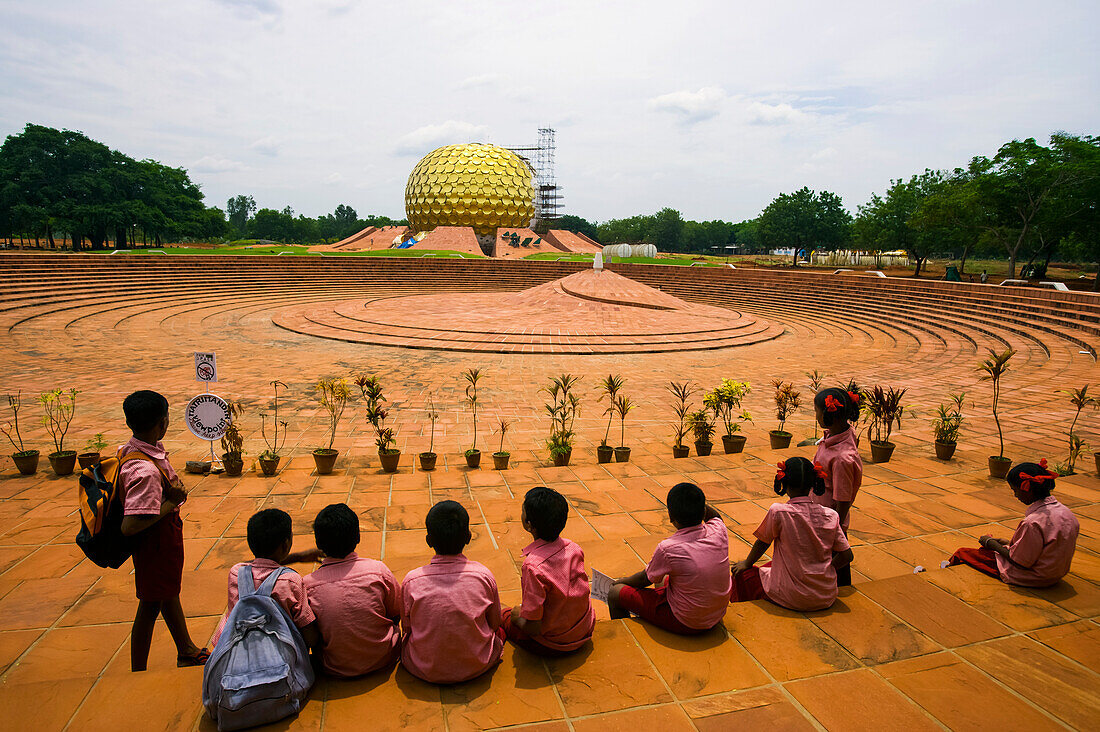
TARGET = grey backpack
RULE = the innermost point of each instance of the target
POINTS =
(259, 672)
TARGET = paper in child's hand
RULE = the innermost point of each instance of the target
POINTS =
(601, 585)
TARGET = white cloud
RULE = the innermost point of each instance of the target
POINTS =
(761, 113)
(334, 178)
(214, 164)
(427, 138)
(249, 7)
(268, 146)
(481, 81)
(691, 107)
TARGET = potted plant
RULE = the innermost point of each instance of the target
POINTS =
(472, 376)
(385, 438)
(884, 408)
(1080, 399)
(681, 407)
(609, 388)
(233, 443)
(269, 458)
(787, 402)
(817, 379)
(994, 369)
(623, 405)
(701, 424)
(427, 459)
(90, 456)
(59, 408)
(563, 408)
(946, 426)
(333, 395)
(727, 400)
(26, 461)
(500, 457)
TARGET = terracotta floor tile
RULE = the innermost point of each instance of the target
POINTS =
(1079, 641)
(960, 696)
(876, 563)
(42, 705)
(1046, 678)
(518, 691)
(1072, 593)
(613, 674)
(13, 643)
(112, 704)
(858, 700)
(67, 653)
(784, 642)
(777, 715)
(1017, 608)
(37, 603)
(391, 699)
(711, 663)
(668, 717)
(869, 633)
(939, 615)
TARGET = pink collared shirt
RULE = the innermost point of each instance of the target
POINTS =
(357, 604)
(289, 591)
(696, 561)
(803, 536)
(141, 483)
(839, 456)
(1043, 545)
(556, 592)
(450, 612)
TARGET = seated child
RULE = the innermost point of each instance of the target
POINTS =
(151, 496)
(556, 615)
(695, 561)
(270, 537)
(807, 545)
(356, 600)
(450, 608)
(1041, 550)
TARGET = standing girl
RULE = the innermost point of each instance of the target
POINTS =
(838, 454)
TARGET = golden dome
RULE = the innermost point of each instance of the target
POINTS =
(478, 185)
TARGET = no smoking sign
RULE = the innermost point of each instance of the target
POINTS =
(206, 367)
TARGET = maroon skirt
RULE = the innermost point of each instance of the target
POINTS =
(158, 560)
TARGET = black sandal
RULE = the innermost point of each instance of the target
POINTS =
(195, 659)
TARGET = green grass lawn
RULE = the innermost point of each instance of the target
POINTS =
(686, 261)
(302, 251)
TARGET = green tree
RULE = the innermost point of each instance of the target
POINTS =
(240, 209)
(577, 225)
(805, 220)
(886, 223)
(666, 231)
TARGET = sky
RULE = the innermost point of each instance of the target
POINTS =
(711, 108)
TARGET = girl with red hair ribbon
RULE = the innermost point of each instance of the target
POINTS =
(838, 454)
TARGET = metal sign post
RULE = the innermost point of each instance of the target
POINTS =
(208, 415)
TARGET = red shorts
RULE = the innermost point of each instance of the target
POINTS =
(746, 586)
(981, 559)
(521, 640)
(158, 560)
(651, 605)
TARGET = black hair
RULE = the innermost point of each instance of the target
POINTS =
(267, 531)
(336, 530)
(799, 475)
(547, 511)
(848, 408)
(448, 526)
(1038, 489)
(144, 410)
(686, 504)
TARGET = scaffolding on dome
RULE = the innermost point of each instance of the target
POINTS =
(547, 191)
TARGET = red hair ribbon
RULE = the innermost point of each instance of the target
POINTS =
(1026, 480)
(832, 403)
(780, 474)
(854, 397)
(820, 471)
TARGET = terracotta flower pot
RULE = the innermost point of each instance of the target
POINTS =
(473, 458)
(390, 460)
(604, 453)
(1096, 457)
(427, 460)
(622, 454)
(87, 459)
(325, 460)
(999, 466)
(703, 448)
(780, 440)
(269, 465)
(680, 451)
(881, 451)
(733, 443)
(562, 459)
(500, 460)
(26, 462)
(944, 450)
(233, 464)
(63, 462)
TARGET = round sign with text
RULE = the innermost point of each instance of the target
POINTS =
(207, 416)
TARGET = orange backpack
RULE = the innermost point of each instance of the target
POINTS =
(99, 498)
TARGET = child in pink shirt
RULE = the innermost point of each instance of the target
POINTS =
(270, 537)
(838, 454)
(1041, 550)
(356, 600)
(807, 546)
(450, 608)
(695, 561)
(556, 616)
(151, 496)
